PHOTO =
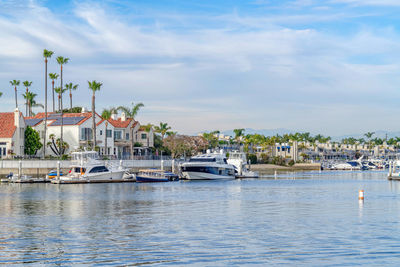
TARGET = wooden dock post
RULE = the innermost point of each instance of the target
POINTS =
(58, 170)
(19, 169)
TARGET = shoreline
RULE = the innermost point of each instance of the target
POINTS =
(296, 167)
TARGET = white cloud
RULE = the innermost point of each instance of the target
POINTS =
(245, 72)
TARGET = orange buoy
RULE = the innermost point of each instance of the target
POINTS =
(361, 195)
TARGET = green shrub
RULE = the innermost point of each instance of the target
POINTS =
(252, 158)
(291, 162)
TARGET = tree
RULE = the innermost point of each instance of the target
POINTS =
(147, 129)
(62, 61)
(94, 86)
(106, 115)
(32, 141)
(181, 145)
(131, 113)
(70, 87)
(212, 138)
(369, 136)
(1, 94)
(56, 146)
(27, 84)
(53, 76)
(15, 83)
(46, 54)
(238, 133)
(60, 93)
(30, 97)
(163, 129)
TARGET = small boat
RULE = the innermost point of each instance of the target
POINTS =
(154, 175)
(239, 162)
(394, 170)
(86, 166)
(53, 174)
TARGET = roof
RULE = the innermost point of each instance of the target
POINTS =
(68, 118)
(119, 123)
(7, 126)
(32, 121)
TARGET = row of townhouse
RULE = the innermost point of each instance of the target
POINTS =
(328, 151)
(117, 134)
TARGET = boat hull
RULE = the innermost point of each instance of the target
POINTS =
(205, 176)
(142, 179)
(112, 175)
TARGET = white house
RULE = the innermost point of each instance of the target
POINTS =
(12, 134)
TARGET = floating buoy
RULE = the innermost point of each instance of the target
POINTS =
(361, 195)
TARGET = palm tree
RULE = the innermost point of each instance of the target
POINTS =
(131, 113)
(62, 61)
(147, 129)
(60, 93)
(30, 97)
(27, 84)
(46, 54)
(1, 94)
(369, 136)
(71, 87)
(163, 129)
(94, 86)
(238, 133)
(106, 115)
(53, 76)
(15, 83)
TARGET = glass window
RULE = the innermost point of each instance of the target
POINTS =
(117, 135)
(144, 136)
(109, 133)
(101, 132)
(99, 169)
(127, 136)
(86, 134)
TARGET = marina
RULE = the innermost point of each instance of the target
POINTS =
(301, 218)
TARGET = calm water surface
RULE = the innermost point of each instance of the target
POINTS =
(308, 219)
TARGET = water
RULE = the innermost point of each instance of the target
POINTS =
(299, 219)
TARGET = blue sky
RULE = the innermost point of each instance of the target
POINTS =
(328, 66)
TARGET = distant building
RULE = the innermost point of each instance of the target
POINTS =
(12, 134)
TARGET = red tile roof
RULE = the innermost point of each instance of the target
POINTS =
(7, 127)
(119, 123)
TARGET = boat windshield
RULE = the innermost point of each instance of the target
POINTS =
(352, 163)
(203, 160)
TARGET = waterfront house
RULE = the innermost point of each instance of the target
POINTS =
(12, 134)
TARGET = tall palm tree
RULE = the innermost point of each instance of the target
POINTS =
(30, 97)
(53, 76)
(15, 83)
(94, 86)
(62, 61)
(131, 113)
(163, 129)
(46, 54)
(60, 93)
(70, 87)
(106, 115)
(27, 84)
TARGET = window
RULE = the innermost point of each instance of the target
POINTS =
(101, 132)
(86, 134)
(109, 133)
(144, 136)
(127, 136)
(117, 135)
(99, 169)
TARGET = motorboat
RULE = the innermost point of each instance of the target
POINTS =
(349, 165)
(239, 162)
(394, 170)
(154, 175)
(209, 166)
(53, 174)
(86, 166)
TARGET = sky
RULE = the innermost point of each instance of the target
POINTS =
(326, 66)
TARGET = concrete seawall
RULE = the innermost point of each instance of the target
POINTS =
(296, 167)
(42, 167)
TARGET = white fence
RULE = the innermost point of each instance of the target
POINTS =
(52, 164)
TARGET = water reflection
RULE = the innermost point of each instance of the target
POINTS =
(297, 219)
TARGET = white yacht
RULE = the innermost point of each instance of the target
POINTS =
(210, 166)
(87, 167)
(239, 161)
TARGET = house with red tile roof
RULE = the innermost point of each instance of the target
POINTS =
(12, 134)
(77, 130)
